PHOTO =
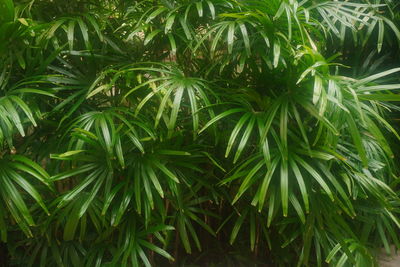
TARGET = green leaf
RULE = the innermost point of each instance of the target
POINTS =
(156, 249)
(235, 132)
(284, 187)
(165, 171)
(300, 181)
(172, 42)
(376, 76)
(175, 109)
(70, 34)
(85, 33)
(199, 8)
(355, 134)
(119, 152)
(150, 36)
(185, 27)
(277, 52)
(154, 180)
(14, 201)
(6, 11)
(71, 225)
(245, 138)
(212, 9)
(162, 106)
(13, 114)
(248, 180)
(183, 234)
(111, 196)
(297, 207)
(265, 184)
(271, 207)
(269, 118)
(380, 35)
(78, 189)
(245, 35)
(221, 116)
(66, 154)
(194, 110)
(92, 195)
(155, 13)
(333, 252)
(317, 89)
(168, 24)
(230, 37)
(237, 226)
(32, 165)
(283, 129)
(380, 97)
(315, 175)
(173, 152)
(24, 107)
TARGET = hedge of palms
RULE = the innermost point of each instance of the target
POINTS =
(198, 132)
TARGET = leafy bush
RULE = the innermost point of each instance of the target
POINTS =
(198, 132)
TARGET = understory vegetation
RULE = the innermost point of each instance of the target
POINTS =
(199, 132)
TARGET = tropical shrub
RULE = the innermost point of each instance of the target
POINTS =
(198, 132)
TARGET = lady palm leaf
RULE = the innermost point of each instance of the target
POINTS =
(15, 111)
(133, 109)
(174, 90)
(14, 169)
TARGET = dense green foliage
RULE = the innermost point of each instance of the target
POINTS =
(198, 132)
